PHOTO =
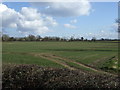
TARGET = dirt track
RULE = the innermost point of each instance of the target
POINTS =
(54, 60)
(62, 61)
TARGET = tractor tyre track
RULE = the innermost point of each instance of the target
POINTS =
(54, 60)
(62, 60)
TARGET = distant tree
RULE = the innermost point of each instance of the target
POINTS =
(11, 39)
(57, 39)
(102, 39)
(5, 37)
(32, 38)
(72, 38)
(27, 38)
(85, 39)
(77, 39)
(45, 38)
(82, 38)
(22, 39)
(94, 39)
(38, 38)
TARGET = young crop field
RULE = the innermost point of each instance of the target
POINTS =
(91, 56)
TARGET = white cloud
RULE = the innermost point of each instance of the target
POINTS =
(70, 26)
(73, 21)
(30, 13)
(65, 9)
(114, 26)
(102, 31)
(8, 16)
(50, 21)
(27, 21)
(106, 34)
(32, 27)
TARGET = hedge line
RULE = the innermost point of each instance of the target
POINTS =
(33, 76)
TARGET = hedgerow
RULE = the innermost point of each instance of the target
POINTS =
(33, 76)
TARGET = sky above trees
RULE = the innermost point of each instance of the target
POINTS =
(63, 19)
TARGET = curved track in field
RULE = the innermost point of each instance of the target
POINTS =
(62, 61)
(54, 60)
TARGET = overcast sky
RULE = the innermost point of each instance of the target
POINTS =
(63, 19)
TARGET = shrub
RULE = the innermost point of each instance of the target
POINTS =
(33, 76)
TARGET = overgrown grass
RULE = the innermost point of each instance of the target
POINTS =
(111, 65)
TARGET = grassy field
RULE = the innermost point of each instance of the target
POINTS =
(99, 55)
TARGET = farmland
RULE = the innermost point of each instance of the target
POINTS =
(48, 64)
(72, 55)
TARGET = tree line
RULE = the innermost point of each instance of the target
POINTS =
(49, 38)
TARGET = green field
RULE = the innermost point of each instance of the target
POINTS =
(97, 54)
